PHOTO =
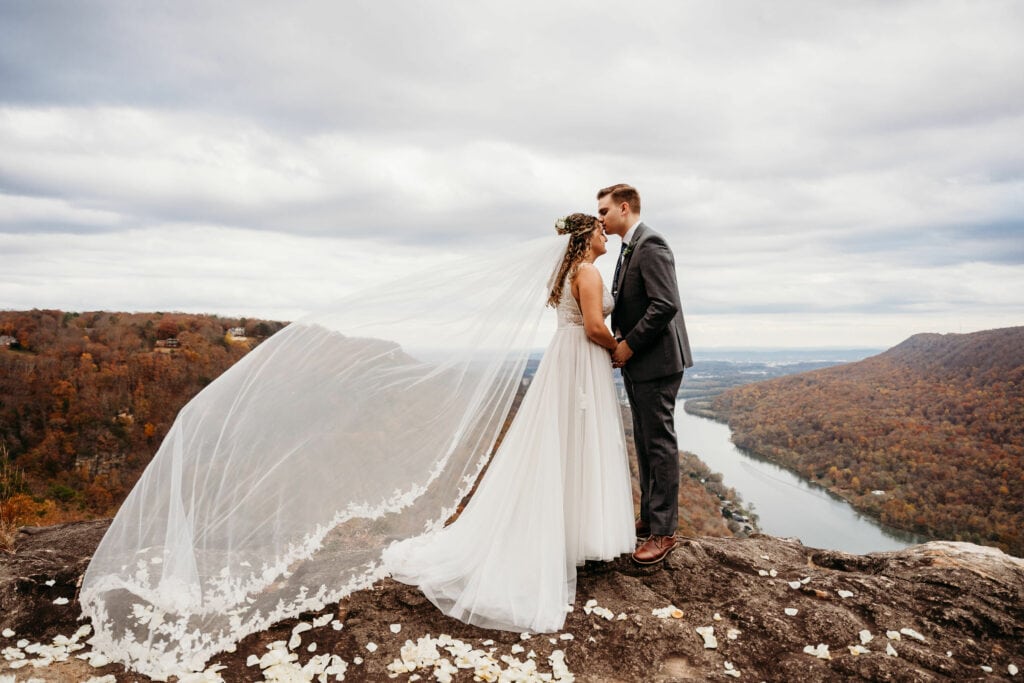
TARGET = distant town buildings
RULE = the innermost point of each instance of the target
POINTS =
(7, 340)
(237, 332)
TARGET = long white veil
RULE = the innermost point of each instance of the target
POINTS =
(279, 485)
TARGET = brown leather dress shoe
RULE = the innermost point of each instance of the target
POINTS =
(643, 530)
(654, 549)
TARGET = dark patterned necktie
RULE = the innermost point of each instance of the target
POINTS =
(618, 267)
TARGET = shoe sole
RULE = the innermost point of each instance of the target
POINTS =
(660, 559)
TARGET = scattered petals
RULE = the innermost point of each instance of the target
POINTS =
(733, 633)
(845, 594)
(51, 582)
(986, 669)
(1012, 669)
(61, 601)
(912, 633)
(717, 617)
(794, 584)
(857, 649)
(890, 650)
(892, 635)
(395, 628)
(791, 611)
(371, 647)
(8, 633)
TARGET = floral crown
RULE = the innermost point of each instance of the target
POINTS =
(573, 225)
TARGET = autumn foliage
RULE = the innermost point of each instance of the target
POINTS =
(85, 400)
(928, 436)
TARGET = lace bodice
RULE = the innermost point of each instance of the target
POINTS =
(569, 314)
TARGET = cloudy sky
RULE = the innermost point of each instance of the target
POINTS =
(828, 173)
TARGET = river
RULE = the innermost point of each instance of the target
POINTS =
(786, 505)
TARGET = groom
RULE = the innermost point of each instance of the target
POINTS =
(653, 351)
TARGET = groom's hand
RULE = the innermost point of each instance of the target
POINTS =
(621, 354)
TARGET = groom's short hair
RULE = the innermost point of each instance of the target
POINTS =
(623, 193)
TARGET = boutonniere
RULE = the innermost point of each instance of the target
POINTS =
(629, 249)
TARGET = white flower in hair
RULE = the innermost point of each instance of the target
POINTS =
(560, 224)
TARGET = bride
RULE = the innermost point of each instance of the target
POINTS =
(557, 492)
(332, 454)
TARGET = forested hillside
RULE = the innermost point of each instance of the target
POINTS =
(85, 400)
(928, 436)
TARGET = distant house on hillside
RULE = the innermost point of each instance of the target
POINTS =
(171, 343)
(237, 332)
(7, 340)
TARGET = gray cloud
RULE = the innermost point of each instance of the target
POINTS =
(801, 156)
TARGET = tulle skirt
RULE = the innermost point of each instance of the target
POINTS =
(557, 493)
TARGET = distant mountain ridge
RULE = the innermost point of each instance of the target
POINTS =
(976, 352)
(927, 436)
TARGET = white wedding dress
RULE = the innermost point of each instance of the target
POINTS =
(278, 487)
(557, 493)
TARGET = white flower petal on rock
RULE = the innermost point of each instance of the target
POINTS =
(986, 669)
(252, 660)
(61, 601)
(371, 647)
(892, 635)
(357, 660)
(821, 651)
(294, 641)
(51, 582)
(794, 584)
(772, 573)
(1012, 669)
(733, 633)
(322, 620)
(525, 635)
(311, 648)
(708, 634)
(857, 649)
(8, 633)
(805, 580)
(912, 633)
(566, 636)
(845, 593)
(395, 628)
(621, 617)
(791, 611)
(890, 650)
(517, 648)
(717, 616)
(865, 637)
(337, 625)
(301, 627)
(762, 572)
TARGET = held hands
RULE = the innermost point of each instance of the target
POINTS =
(621, 354)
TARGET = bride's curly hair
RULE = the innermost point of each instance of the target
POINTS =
(579, 227)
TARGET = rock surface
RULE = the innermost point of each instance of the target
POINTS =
(957, 608)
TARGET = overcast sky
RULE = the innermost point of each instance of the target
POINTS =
(828, 173)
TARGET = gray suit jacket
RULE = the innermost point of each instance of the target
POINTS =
(648, 313)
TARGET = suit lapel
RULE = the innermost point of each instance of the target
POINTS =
(641, 233)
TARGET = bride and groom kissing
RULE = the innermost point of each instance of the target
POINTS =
(557, 492)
